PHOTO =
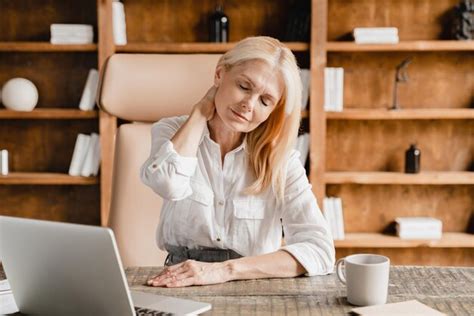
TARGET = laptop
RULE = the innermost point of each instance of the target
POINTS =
(69, 269)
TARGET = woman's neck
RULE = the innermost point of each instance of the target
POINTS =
(222, 135)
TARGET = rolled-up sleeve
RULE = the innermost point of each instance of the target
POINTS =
(165, 171)
(307, 234)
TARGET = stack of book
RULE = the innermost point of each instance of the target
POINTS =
(302, 145)
(333, 213)
(305, 75)
(375, 35)
(86, 156)
(419, 228)
(333, 89)
(71, 34)
(88, 97)
(118, 23)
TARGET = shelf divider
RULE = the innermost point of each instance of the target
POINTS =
(55, 114)
(377, 240)
(430, 45)
(422, 178)
(45, 178)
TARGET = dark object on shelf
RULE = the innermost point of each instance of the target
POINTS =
(218, 26)
(462, 21)
(412, 159)
(299, 21)
(400, 76)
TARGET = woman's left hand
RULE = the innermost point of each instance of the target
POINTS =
(191, 272)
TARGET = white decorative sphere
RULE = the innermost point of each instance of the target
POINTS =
(19, 94)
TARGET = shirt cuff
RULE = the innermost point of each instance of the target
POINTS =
(185, 166)
(300, 253)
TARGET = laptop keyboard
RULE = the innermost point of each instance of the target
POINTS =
(140, 311)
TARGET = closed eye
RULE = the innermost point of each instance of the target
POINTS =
(264, 102)
(243, 87)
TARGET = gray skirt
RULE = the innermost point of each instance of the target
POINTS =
(178, 254)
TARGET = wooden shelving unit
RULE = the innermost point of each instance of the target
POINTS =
(374, 240)
(43, 178)
(41, 142)
(364, 145)
(55, 114)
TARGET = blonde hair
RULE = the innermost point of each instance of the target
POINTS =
(270, 144)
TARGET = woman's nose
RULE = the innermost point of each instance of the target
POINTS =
(248, 103)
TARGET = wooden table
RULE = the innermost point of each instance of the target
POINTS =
(447, 289)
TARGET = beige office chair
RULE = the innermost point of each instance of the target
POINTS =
(143, 89)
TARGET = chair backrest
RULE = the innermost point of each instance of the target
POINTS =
(143, 89)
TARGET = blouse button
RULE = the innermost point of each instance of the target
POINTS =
(153, 165)
(218, 239)
(220, 203)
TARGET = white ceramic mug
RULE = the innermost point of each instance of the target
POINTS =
(366, 277)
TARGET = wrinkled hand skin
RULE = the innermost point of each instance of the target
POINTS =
(191, 272)
(206, 106)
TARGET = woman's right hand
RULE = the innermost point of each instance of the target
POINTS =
(206, 106)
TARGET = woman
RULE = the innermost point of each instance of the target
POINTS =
(230, 178)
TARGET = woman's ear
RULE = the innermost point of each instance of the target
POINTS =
(218, 75)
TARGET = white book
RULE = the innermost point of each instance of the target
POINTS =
(302, 145)
(327, 210)
(418, 222)
(87, 166)
(118, 23)
(339, 89)
(330, 88)
(377, 40)
(305, 80)
(72, 32)
(69, 26)
(326, 89)
(70, 41)
(333, 89)
(334, 218)
(340, 218)
(79, 154)
(432, 235)
(90, 90)
(375, 31)
(96, 161)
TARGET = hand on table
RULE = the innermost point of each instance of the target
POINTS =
(191, 272)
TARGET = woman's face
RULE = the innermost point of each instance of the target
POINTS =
(247, 94)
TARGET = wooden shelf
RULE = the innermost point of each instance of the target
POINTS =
(192, 47)
(408, 114)
(401, 46)
(37, 47)
(423, 178)
(375, 240)
(49, 114)
(33, 178)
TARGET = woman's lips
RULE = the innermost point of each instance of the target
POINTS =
(240, 116)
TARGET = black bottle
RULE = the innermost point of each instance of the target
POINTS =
(219, 26)
(412, 159)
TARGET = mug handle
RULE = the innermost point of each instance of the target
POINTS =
(340, 275)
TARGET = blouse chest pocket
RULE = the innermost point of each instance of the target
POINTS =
(247, 223)
(250, 209)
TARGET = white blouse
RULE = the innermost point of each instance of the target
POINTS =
(204, 205)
